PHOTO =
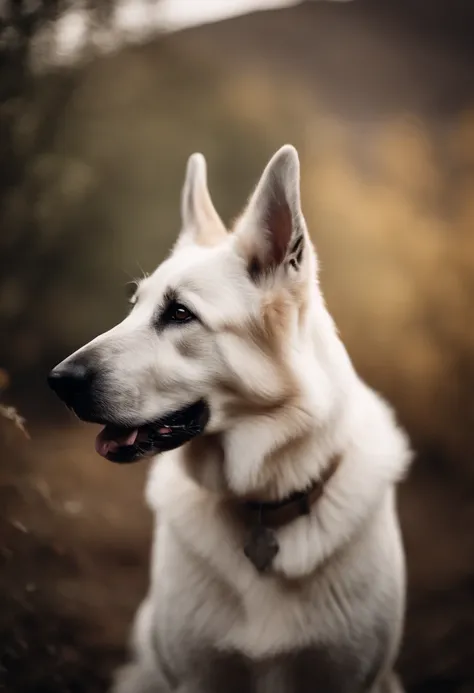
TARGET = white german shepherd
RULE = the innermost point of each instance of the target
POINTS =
(278, 565)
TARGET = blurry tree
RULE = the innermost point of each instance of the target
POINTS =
(30, 109)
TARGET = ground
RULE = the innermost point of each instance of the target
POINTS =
(74, 551)
(74, 542)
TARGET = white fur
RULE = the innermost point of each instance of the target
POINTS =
(339, 567)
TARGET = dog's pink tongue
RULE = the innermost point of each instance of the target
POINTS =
(111, 438)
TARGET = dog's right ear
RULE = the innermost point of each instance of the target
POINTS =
(201, 223)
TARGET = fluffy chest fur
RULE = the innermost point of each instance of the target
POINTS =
(210, 605)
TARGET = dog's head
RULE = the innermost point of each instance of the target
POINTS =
(220, 328)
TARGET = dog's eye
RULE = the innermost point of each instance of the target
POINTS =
(177, 313)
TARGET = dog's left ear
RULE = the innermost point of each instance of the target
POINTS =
(201, 223)
(272, 231)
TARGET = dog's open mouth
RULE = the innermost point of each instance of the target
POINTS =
(129, 444)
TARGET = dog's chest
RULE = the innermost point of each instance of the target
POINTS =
(227, 643)
(315, 668)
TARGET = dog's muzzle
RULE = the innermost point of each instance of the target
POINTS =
(78, 386)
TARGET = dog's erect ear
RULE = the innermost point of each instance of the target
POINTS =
(200, 222)
(272, 231)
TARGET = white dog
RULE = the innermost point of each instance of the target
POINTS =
(278, 565)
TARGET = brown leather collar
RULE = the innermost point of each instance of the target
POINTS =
(279, 513)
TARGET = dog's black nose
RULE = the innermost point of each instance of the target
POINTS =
(71, 381)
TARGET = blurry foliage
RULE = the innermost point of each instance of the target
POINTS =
(30, 108)
(9, 417)
(97, 191)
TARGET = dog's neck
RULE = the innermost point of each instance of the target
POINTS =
(278, 513)
(262, 458)
(276, 451)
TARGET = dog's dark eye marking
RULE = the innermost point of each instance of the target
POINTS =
(176, 314)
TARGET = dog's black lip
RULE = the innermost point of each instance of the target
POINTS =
(167, 419)
(185, 424)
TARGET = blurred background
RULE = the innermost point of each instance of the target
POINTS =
(100, 106)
